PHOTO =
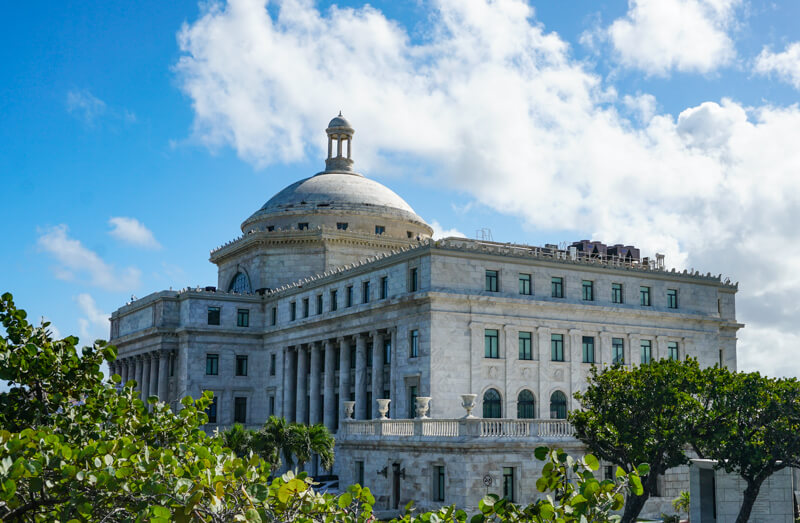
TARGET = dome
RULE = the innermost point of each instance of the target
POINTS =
(339, 121)
(332, 192)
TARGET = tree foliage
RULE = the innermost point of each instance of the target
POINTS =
(643, 415)
(751, 425)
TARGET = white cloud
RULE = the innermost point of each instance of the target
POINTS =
(498, 109)
(658, 36)
(94, 325)
(85, 105)
(131, 230)
(785, 65)
(440, 232)
(75, 259)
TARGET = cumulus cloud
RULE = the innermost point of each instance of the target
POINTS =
(75, 259)
(440, 232)
(785, 65)
(131, 230)
(94, 323)
(499, 109)
(658, 36)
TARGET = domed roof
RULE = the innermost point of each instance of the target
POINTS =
(333, 191)
(339, 121)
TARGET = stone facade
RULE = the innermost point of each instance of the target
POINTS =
(318, 316)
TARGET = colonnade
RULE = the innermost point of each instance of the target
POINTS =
(150, 370)
(311, 384)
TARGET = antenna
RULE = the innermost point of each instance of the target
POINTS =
(484, 233)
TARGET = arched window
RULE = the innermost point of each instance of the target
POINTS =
(526, 405)
(558, 405)
(240, 283)
(491, 404)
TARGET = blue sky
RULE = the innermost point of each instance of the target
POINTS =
(138, 136)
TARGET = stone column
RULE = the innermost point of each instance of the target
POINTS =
(329, 410)
(138, 364)
(124, 367)
(633, 354)
(377, 372)
(145, 388)
(163, 376)
(154, 364)
(575, 360)
(393, 387)
(302, 385)
(660, 350)
(315, 410)
(344, 373)
(544, 372)
(290, 398)
(604, 350)
(361, 378)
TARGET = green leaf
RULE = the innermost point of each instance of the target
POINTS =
(643, 469)
(541, 453)
(159, 511)
(591, 462)
(252, 516)
(345, 500)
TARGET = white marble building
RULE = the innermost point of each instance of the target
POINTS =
(336, 292)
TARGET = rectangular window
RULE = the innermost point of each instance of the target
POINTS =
(587, 290)
(243, 318)
(387, 351)
(348, 296)
(644, 296)
(508, 483)
(491, 281)
(413, 279)
(365, 292)
(525, 284)
(352, 357)
(557, 287)
(305, 307)
(438, 483)
(413, 343)
(647, 351)
(241, 365)
(380, 229)
(617, 351)
(616, 293)
(293, 311)
(525, 352)
(274, 316)
(342, 226)
(212, 364)
(272, 405)
(211, 411)
(319, 304)
(302, 226)
(334, 300)
(588, 349)
(672, 348)
(240, 410)
(360, 473)
(490, 343)
(608, 472)
(412, 401)
(270, 228)
(213, 315)
(272, 365)
(557, 347)
(384, 287)
(721, 359)
(672, 298)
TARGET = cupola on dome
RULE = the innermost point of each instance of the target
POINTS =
(340, 198)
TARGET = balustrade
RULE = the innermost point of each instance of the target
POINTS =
(465, 428)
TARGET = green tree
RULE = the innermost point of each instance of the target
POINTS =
(643, 415)
(276, 440)
(314, 439)
(750, 425)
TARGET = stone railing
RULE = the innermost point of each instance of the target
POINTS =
(464, 428)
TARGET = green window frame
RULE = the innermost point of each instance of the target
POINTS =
(587, 290)
(438, 483)
(241, 365)
(412, 401)
(557, 287)
(617, 351)
(334, 299)
(240, 410)
(365, 288)
(672, 298)
(413, 279)
(212, 364)
(647, 351)
(588, 349)
(305, 307)
(557, 347)
(348, 296)
(491, 343)
(293, 311)
(525, 345)
(672, 349)
(492, 281)
(525, 284)
(644, 296)
(616, 293)
(558, 405)
(213, 315)
(508, 483)
(211, 411)
(526, 405)
(242, 317)
(492, 404)
(384, 287)
(319, 304)
(413, 350)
